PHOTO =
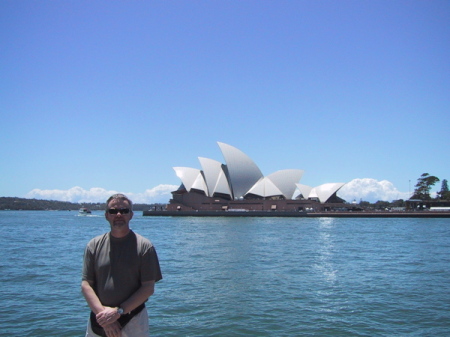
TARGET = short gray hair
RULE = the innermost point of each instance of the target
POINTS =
(119, 196)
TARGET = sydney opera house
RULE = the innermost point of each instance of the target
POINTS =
(239, 185)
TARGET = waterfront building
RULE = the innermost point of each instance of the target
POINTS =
(240, 185)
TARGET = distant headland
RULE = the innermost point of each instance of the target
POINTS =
(13, 203)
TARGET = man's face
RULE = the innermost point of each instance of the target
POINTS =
(121, 219)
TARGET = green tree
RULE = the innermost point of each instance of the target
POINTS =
(444, 193)
(364, 203)
(423, 186)
(380, 204)
(398, 203)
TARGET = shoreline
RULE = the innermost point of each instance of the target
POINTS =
(405, 214)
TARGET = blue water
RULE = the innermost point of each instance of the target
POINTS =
(239, 276)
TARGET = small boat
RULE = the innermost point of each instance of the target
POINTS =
(84, 211)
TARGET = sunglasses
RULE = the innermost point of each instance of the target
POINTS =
(117, 210)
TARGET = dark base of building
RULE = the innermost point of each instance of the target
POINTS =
(197, 204)
(196, 201)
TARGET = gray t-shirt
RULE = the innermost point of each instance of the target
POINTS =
(119, 266)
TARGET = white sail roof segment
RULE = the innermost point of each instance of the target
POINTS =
(222, 185)
(313, 194)
(242, 171)
(191, 178)
(216, 180)
(265, 188)
(211, 170)
(325, 191)
(305, 190)
(285, 180)
(199, 184)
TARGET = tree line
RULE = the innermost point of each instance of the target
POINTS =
(421, 192)
(12, 203)
(424, 185)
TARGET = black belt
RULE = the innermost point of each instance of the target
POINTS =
(123, 320)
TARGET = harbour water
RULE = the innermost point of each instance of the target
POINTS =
(239, 276)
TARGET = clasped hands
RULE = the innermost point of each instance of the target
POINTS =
(108, 321)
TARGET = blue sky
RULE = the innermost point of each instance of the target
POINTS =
(101, 96)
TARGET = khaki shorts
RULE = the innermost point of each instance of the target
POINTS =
(137, 327)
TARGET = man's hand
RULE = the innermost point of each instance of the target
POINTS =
(113, 330)
(107, 317)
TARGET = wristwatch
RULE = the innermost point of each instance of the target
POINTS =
(120, 311)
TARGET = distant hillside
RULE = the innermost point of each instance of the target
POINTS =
(8, 203)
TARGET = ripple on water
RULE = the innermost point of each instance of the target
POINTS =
(240, 277)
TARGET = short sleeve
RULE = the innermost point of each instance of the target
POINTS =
(150, 269)
(88, 273)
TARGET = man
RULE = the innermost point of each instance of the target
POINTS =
(119, 273)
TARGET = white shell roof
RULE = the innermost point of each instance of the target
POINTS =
(216, 180)
(242, 171)
(191, 178)
(265, 188)
(241, 176)
(305, 190)
(325, 191)
(285, 180)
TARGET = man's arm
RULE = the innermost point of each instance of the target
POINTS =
(109, 315)
(140, 296)
(91, 297)
(110, 324)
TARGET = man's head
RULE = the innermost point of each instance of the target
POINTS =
(119, 196)
(119, 212)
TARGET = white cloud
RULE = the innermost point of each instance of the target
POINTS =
(371, 190)
(158, 194)
(366, 189)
